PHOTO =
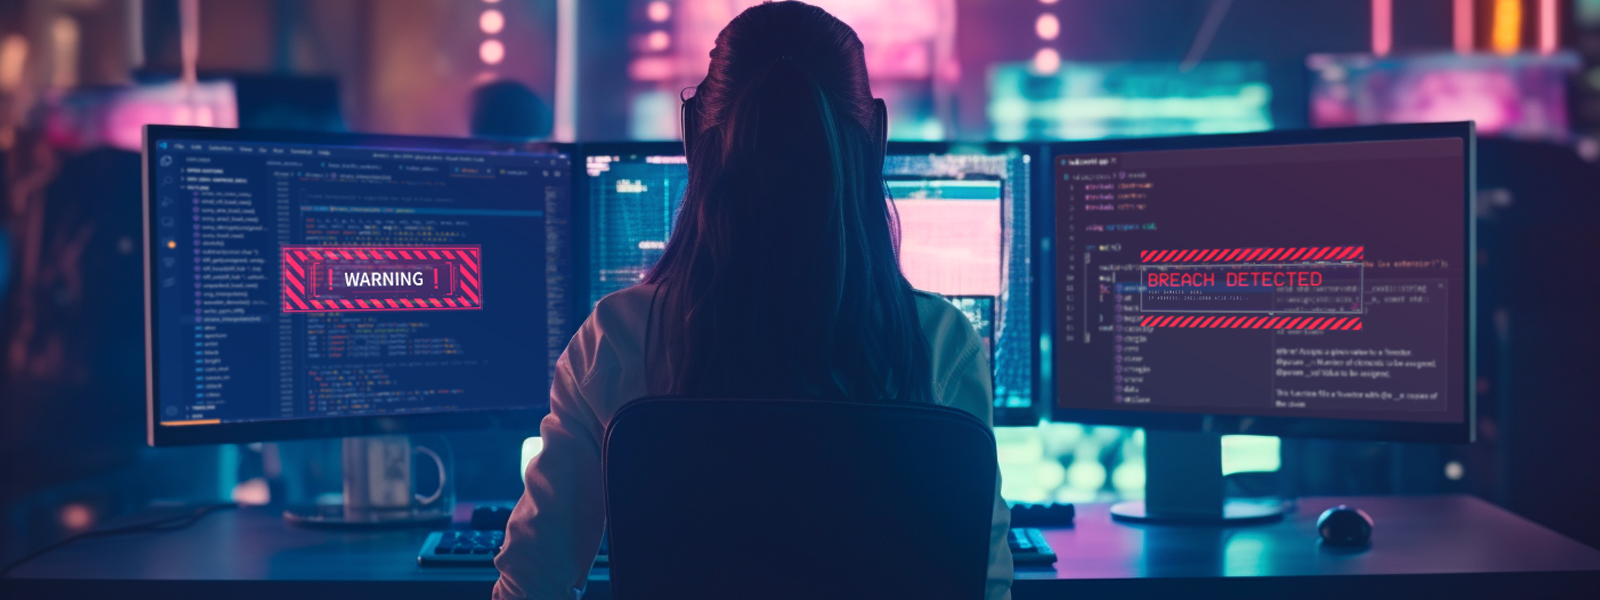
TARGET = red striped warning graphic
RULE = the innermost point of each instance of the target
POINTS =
(1249, 322)
(1252, 254)
(369, 278)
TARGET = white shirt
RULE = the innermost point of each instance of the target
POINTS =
(554, 532)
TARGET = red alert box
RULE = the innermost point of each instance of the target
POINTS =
(366, 278)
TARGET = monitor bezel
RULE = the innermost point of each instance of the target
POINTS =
(1463, 431)
(519, 419)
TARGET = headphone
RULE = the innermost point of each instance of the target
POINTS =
(689, 122)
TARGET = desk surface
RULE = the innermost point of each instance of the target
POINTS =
(1419, 543)
(1411, 535)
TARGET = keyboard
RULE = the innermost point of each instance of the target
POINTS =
(1028, 548)
(472, 548)
(1054, 514)
(477, 548)
(461, 548)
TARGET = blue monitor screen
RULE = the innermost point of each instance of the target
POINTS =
(633, 200)
(298, 281)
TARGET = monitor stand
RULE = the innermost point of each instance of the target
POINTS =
(378, 489)
(1184, 485)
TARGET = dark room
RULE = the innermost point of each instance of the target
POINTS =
(817, 299)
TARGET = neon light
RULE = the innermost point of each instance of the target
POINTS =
(1046, 61)
(1549, 27)
(1463, 26)
(1506, 35)
(1382, 27)
(492, 52)
(1047, 26)
(491, 21)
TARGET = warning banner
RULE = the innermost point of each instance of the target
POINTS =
(1259, 288)
(1323, 253)
(1334, 323)
(370, 278)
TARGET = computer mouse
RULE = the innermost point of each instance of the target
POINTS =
(1344, 526)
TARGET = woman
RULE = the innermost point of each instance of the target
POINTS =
(780, 280)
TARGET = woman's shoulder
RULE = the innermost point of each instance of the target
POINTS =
(948, 330)
(620, 318)
(955, 353)
(934, 309)
(635, 299)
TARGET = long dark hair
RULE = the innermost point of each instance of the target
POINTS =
(781, 277)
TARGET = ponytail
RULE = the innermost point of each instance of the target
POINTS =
(781, 277)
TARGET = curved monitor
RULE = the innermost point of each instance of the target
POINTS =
(1303, 283)
(326, 285)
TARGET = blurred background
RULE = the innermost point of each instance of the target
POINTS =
(79, 78)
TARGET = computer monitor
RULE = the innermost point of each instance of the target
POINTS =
(965, 224)
(329, 285)
(632, 191)
(1302, 283)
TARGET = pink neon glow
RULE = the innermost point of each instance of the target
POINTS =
(492, 52)
(1522, 96)
(1382, 27)
(115, 117)
(1463, 32)
(652, 68)
(1549, 27)
(951, 247)
(903, 39)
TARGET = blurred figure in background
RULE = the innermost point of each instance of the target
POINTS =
(510, 111)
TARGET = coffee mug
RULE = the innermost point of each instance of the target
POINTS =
(379, 484)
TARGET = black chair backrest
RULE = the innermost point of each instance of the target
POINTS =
(797, 499)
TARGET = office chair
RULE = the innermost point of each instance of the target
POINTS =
(797, 499)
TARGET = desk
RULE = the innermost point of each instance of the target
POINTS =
(1423, 547)
(1453, 546)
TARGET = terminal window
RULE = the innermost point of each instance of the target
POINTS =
(301, 281)
(1323, 280)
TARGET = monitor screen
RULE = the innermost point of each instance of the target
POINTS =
(633, 199)
(950, 232)
(350, 277)
(963, 216)
(1324, 280)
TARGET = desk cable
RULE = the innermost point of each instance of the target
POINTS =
(173, 523)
